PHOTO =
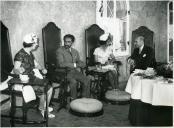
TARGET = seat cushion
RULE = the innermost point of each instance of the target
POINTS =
(86, 105)
(117, 95)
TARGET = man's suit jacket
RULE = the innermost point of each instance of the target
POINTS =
(145, 59)
(65, 58)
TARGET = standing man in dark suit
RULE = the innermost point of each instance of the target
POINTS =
(69, 57)
(143, 56)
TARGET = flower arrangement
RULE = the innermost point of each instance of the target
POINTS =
(165, 70)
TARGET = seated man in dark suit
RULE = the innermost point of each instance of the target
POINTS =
(69, 57)
(142, 57)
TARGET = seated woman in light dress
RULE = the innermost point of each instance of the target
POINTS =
(104, 56)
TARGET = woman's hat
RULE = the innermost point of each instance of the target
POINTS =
(30, 38)
(104, 37)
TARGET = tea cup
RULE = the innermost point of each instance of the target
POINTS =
(24, 78)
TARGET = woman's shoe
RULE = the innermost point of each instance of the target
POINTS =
(50, 115)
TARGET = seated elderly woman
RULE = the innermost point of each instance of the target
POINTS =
(104, 56)
(26, 64)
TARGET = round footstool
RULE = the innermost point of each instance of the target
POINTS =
(117, 97)
(86, 107)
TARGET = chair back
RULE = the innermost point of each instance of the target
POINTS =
(51, 42)
(146, 33)
(51, 35)
(92, 35)
(6, 56)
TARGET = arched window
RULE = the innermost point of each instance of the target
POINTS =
(113, 17)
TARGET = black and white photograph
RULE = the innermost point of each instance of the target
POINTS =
(86, 63)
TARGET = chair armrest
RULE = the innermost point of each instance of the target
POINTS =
(63, 70)
(57, 75)
(117, 62)
(90, 68)
(13, 75)
(98, 63)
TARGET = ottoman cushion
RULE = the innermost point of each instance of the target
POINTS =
(86, 105)
(117, 95)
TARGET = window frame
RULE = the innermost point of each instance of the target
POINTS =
(103, 21)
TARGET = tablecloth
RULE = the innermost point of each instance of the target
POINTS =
(157, 92)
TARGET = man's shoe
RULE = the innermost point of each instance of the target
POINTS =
(50, 115)
(50, 109)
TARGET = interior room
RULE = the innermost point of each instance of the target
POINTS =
(123, 22)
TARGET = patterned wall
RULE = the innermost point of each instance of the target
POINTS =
(22, 17)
